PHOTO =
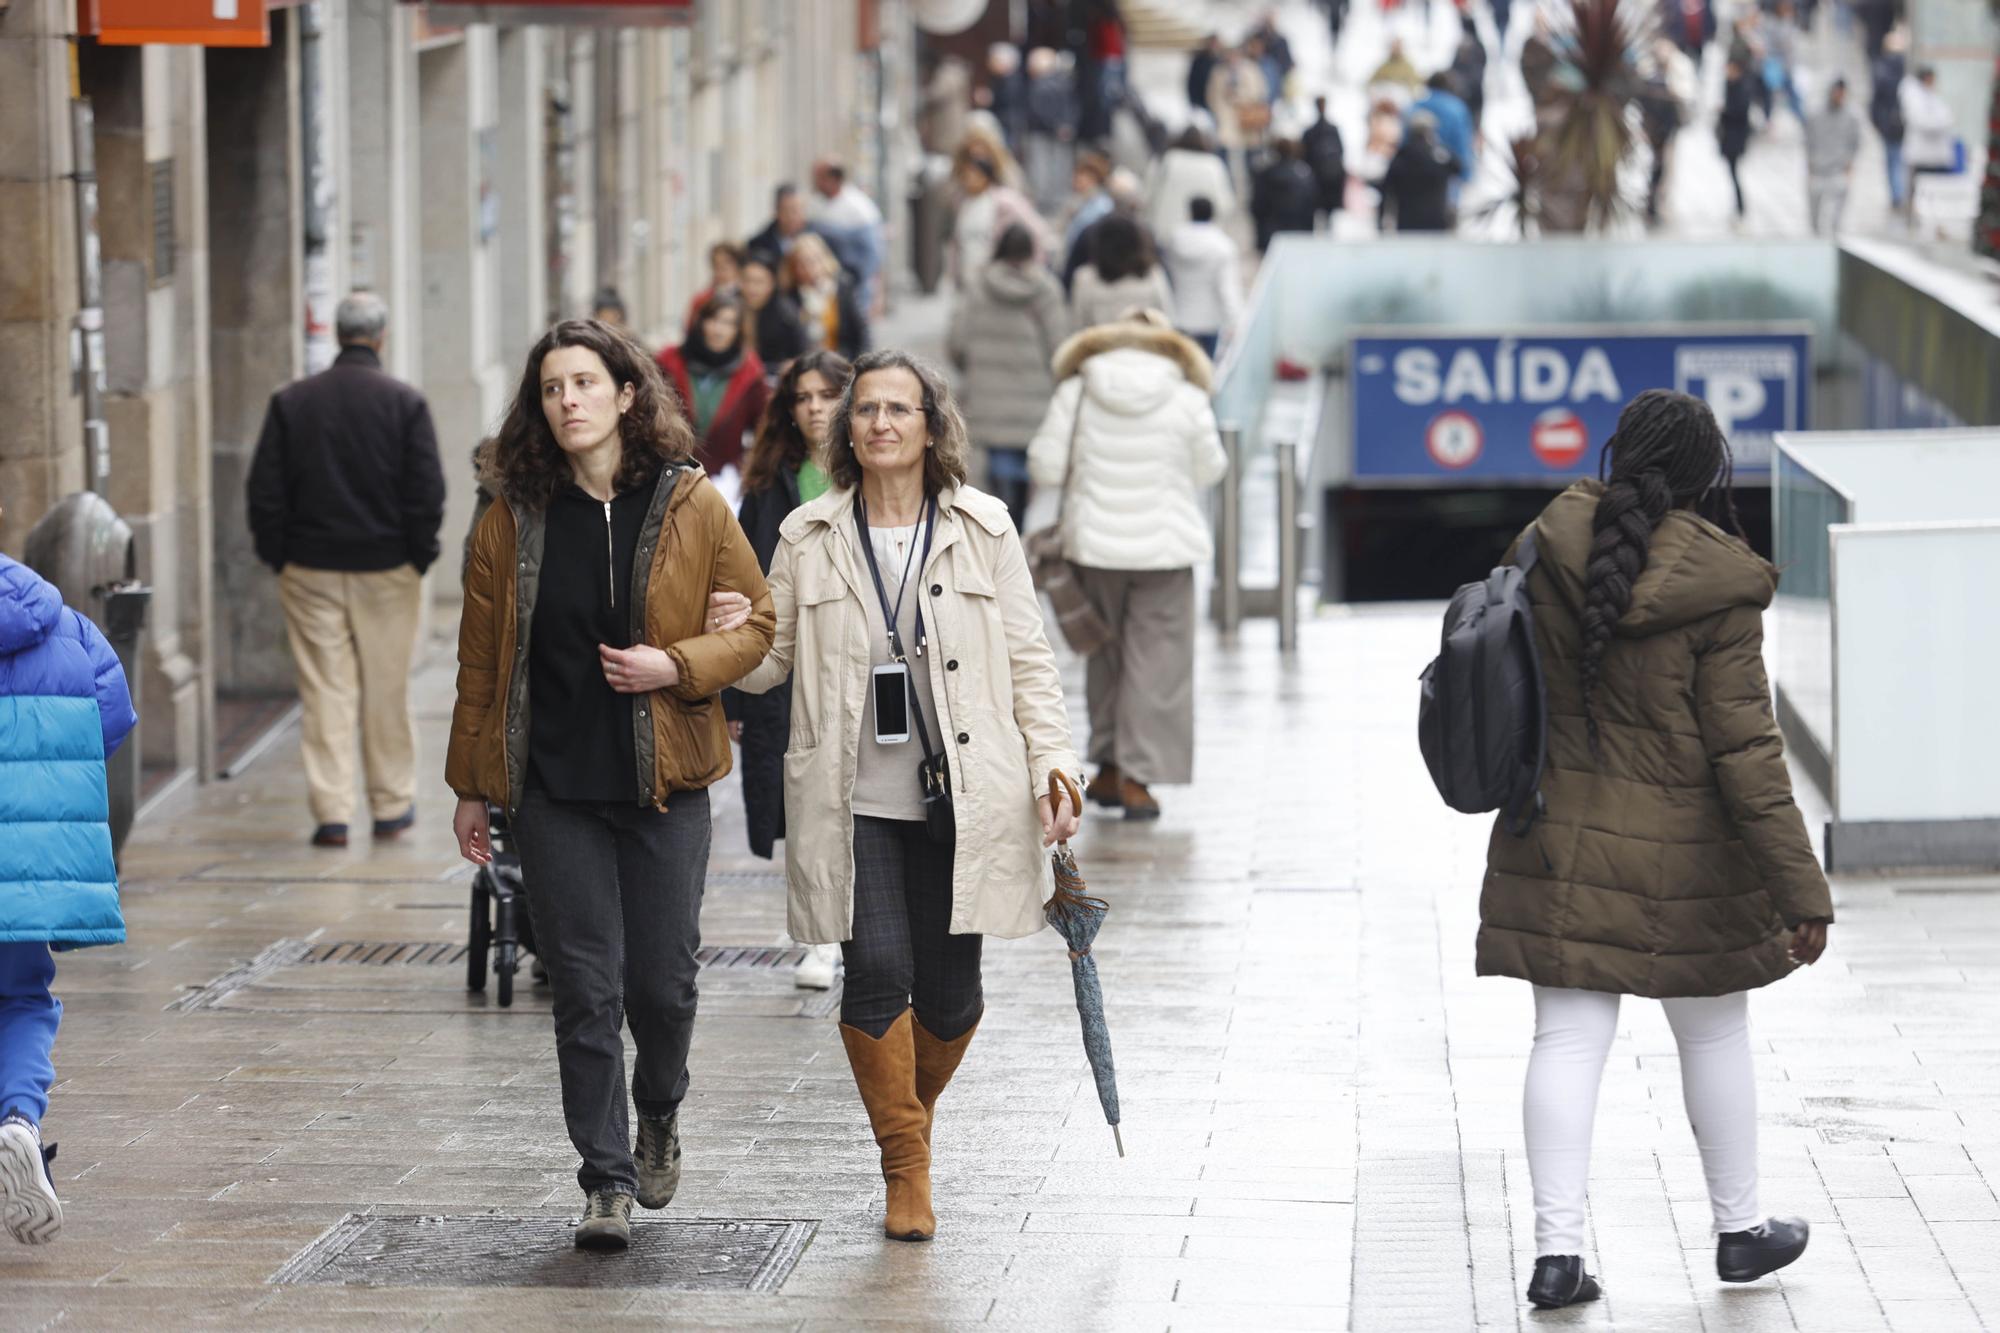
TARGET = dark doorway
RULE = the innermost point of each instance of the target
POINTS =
(1420, 544)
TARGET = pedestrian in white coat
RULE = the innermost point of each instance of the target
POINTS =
(903, 601)
(1205, 266)
(1131, 437)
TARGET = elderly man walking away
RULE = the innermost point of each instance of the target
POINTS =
(346, 496)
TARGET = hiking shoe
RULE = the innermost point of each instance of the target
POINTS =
(330, 835)
(1104, 789)
(1138, 802)
(27, 1193)
(658, 1156)
(816, 970)
(1559, 1280)
(386, 829)
(607, 1221)
(1745, 1256)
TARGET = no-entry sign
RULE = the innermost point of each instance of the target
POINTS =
(1558, 438)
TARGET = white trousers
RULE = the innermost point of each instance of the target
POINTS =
(1573, 1031)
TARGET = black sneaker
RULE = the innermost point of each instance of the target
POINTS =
(28, 1202)
(607, 1221)
(1559, 1280)
(330, 835)
(1745, 1256)
(658, 1157)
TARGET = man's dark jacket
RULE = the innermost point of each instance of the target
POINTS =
(346, 474)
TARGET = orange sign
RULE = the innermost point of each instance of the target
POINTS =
(176, 22)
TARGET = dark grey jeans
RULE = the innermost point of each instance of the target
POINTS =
(615, 893)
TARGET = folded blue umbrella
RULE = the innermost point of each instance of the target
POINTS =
(1077, 917)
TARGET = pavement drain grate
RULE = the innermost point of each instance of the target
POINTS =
(410, 953)
(451, 953)
(282, 954)
(677, 1254)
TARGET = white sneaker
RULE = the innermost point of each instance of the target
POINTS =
(27, 1196)
(816, 970)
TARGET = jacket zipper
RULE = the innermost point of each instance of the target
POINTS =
(610, 560)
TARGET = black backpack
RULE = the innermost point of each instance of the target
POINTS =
(1483, 720)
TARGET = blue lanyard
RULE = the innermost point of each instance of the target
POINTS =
(893, 613)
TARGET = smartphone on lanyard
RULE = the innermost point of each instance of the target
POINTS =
(892, 704)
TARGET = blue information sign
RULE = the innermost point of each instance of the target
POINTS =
(1527, 407)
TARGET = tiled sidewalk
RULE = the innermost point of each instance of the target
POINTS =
(1320, 1099)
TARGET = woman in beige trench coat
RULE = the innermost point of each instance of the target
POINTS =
(901, 541)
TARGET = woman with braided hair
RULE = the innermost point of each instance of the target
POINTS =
(1671, 862)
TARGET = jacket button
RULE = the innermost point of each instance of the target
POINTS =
(642, 712)
(937, 590)
(951, 665)
(964, 738)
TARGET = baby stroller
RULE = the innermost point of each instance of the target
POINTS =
(501, 929)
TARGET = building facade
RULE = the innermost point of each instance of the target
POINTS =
(483, 173)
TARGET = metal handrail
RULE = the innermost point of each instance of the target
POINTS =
(1229, 534)
(1288, 546)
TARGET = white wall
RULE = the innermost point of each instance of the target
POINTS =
(1917, 721)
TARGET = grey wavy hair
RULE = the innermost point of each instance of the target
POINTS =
(360, 317)
(945, 462)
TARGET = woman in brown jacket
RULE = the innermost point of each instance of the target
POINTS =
(589, 669)
(1671, 861)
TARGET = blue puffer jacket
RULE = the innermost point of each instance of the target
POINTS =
(63, 708)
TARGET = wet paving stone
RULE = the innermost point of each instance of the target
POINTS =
(1321, 1101)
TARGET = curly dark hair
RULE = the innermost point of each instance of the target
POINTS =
(1668, 453)
(944, 462)
(524, 462)
(780, 443)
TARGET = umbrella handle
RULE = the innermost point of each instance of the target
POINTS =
(1061, 785)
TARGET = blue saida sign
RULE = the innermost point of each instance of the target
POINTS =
(1533, 407)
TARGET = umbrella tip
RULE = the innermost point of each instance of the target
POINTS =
(1120, 1138)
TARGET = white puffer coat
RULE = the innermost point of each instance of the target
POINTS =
(1146, 447)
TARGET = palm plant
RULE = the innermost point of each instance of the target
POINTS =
(1588, 131)
(1521, 205)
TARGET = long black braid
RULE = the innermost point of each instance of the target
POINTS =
(1667, 453)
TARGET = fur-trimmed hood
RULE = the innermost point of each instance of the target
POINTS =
(1174, 348)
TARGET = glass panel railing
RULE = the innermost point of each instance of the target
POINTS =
(1805, 506)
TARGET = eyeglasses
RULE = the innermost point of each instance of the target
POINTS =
(898, 413)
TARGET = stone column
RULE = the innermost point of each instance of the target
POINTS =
(148, 153)
(457, 109)
(380, 182)
(256, 337)
(41, 451)
(522, 243)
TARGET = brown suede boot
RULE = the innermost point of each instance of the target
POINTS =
(886, 1073)
(1104, 790)
(937, 1061)
(1138, 802)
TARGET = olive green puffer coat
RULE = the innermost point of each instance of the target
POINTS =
(1674, 862)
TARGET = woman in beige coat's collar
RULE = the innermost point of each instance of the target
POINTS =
(910, 902)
